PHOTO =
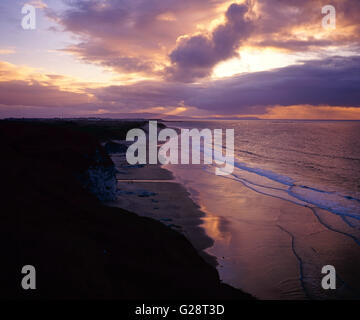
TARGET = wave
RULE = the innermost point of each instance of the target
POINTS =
(330, 201)
(281, 186)
(278, 185)
(266, 173)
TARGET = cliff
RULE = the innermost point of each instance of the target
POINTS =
(51, 217)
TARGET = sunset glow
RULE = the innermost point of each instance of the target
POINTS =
(180, 59)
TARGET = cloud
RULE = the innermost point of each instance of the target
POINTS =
(167, 39)
(291, 25)
(195, 57)
(38, 4)
(37, 94)
(332, 82)
(7, 51)
(94, 52)
(24, 86)
(129, 35)
(297, 25)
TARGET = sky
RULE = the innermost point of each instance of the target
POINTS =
(269, 59)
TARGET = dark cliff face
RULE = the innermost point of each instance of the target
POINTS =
(73, 153)
(100, 181)
(79, 247)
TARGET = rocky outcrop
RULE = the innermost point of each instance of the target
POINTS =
(100, 177)
(113, 147)
(101, 181)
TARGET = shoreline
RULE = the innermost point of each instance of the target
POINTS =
(269, 247)
(200, 223)
(152, 191)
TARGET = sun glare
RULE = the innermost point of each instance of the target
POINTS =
(253, 60)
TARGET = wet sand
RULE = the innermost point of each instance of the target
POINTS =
(269, 247)
(151, 191)
(272, 248)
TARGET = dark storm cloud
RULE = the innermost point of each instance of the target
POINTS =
(196, 56)
(334, 82)
(144, 94)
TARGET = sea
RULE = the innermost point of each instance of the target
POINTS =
(308, 171)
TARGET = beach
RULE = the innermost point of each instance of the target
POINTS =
(152, 191)
(289, 208)
(269, 247)
(268, 233)
(158, 193)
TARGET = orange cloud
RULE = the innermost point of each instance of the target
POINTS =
(25, 86)
(7, 51)
(11, 72)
